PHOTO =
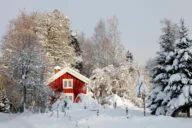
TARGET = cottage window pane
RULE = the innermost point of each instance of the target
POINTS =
(70, 84)
(65, 98)
(70, 98)
(65, 83)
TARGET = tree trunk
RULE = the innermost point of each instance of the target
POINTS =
(24, 96)
(144, 111)
(188, 111)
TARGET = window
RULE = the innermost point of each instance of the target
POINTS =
(70, 84)
(68, 96)
(67, 83)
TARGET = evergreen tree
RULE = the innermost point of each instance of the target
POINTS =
(162, 71)
(129, 56)
(75, 43)
(179, 88)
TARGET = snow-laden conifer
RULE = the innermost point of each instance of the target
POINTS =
(179, 88)
(161, 72)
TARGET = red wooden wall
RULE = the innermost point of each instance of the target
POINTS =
(78, 85)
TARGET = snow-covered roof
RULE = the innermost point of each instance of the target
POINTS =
(70, 71)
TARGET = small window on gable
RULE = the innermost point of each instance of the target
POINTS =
(70, 83)
(67, 83)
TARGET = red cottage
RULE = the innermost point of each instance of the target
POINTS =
(68, 83)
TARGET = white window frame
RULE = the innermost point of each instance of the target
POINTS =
(67, 95)
(67, 80)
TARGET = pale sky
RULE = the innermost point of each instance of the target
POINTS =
(139, 19)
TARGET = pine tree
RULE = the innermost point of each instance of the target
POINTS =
(179, 88)
(162, 71)
(129, 56)
(75, 43)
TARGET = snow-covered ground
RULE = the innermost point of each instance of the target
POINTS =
(78, 117)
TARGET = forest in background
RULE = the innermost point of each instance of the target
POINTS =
(37, 42)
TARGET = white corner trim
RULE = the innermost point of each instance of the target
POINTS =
(86, 88)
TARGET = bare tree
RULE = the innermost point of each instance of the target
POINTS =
(141, 91)
(106, 38)
(104, 47)
(23, 56)
(88, 54)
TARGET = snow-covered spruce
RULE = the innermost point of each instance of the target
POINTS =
(173, 94)
(179, 88)
(160, 74)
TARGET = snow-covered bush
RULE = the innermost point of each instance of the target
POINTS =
(117, 101)
(4, 102)
(87, 101)
(115, 80)
(59, 107)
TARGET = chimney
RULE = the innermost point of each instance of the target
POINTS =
(57, 69)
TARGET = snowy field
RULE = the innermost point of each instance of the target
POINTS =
(78, 117)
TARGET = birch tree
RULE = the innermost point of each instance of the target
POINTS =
(23, 57)
(53, 29)
(104, 47)
(141, 91)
